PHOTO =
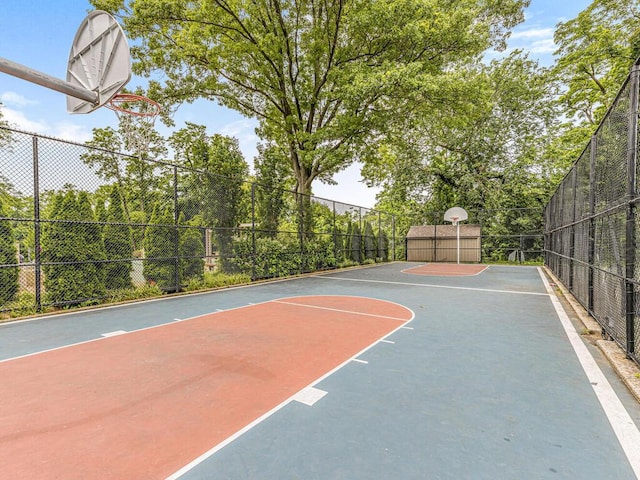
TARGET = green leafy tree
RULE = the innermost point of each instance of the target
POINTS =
(214, 182)
(159, 246)
(5, 135)
(487, 151)
(272, 180)
(595, 53)
(323, 80)
(136, 175)
(117, 245)
(8, 259)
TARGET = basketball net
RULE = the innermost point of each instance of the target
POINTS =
(454, 221)
(136, 116)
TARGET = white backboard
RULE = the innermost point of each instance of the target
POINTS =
(457, 214)
(99, 61)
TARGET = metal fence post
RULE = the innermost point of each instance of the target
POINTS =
(393, 236)
(335, 235)
(379, 247)
(572, 232)
(253, 231)
(176, 241)
(301, 231)
(631, 208)
(36, 224)
(592, 220)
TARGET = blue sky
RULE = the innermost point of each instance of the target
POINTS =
(38, 34)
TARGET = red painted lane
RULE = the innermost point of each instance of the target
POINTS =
(144, 404)
(447, 269)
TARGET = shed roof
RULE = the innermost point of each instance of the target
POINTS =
(443, 231)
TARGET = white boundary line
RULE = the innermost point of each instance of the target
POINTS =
(97, 339)
(622, 424)
(113, 334)
(133, 303)
(283, 404)
(429, 285)
(408, 271)
(340, 310)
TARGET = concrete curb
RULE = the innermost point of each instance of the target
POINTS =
(626, 369)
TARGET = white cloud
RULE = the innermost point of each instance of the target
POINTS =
(16, 100)
(536, 40)
(244, 131)
(19, 120)
(544, 33)
(543, 46)
(62, 130)
(70, 131)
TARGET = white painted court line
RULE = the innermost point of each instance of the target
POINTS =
(428, 285)
(407, 328)
(623, 426)
(338, 310)
(113, 334)
(309, 396)
(259, 420)
(408, 271)
(388, 341)
(360, 361)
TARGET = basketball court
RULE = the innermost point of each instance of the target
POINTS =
(394, 371)
(372, 373)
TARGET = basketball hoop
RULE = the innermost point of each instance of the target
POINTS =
(456, 215)
(137, 115)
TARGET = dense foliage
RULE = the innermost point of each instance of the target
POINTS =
(8, 260)
(72, 251)
(117, 244)
(160, 245)
(322, 79)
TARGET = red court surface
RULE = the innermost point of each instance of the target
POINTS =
(447, 269)
(146, 403)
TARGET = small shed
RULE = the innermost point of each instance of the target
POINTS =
(438, 243)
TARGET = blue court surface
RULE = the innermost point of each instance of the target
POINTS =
(489, 380)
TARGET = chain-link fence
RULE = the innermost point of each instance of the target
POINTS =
(82, 225)
(591, 223)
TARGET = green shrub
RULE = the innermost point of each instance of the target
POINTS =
(8, 274)
(369, 242)
(272, 258)
(191, 252)
(117, 244)
(356, 244)
(159, 246)
(73, 252)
